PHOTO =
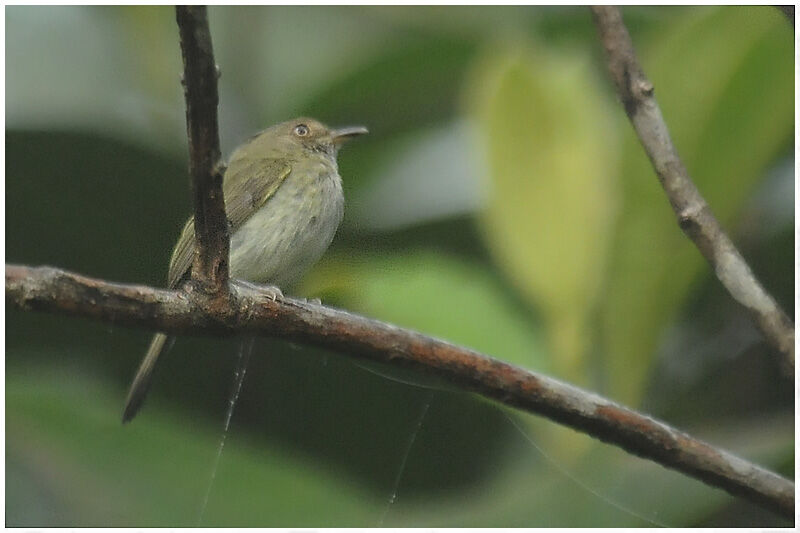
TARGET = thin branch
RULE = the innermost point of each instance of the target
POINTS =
(210, 267)
(694, 215)
(176, 312)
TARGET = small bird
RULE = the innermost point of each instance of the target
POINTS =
(284, 202)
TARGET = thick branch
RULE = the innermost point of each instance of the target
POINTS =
(53, 290)
(694, 215)
(200, 74)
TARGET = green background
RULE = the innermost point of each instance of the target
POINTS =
(501, 201)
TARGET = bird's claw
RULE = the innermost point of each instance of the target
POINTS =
(270, 292)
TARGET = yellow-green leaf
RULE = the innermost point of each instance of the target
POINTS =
(551, 154)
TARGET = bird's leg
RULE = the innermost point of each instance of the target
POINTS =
(270, 291)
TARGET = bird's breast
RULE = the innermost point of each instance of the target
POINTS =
(291, 231)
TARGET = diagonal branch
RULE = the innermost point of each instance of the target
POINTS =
(694, 215)
(53, 290)
(210, 267)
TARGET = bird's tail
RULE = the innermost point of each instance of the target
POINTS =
(141, 383)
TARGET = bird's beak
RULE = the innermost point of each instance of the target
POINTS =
(341, 135)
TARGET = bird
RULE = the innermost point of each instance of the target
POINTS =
(284, 202)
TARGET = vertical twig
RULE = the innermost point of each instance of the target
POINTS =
(210, 267)
(694, 215)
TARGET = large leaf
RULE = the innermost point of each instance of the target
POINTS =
(724, 79)
(437, 294)
(76, 464)
(551, 154)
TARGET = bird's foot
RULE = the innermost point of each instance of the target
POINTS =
(271, 292)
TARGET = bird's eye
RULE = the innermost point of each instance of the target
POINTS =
(301, 130)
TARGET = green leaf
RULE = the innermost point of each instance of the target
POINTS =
(551, 152)
(72, 453)
(724, 80)
(437, 294)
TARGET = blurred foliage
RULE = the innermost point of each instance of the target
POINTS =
(501, 202)
(738, 117)
(541, 115)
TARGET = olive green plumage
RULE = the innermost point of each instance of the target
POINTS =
(284, 202)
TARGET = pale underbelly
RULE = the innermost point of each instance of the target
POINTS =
(289, 233)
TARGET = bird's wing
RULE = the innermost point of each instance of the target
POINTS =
(247, 186)
(182, 254)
